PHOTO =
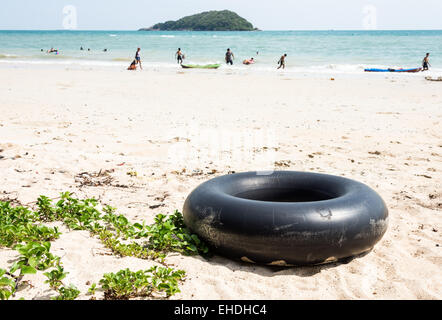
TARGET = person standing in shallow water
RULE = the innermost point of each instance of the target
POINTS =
(426, 62)
(282, 61)
(179, 56)
(138, 58)
(229, 57)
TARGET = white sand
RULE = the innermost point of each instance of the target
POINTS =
(57, 123)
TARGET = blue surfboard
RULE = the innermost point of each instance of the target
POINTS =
(393, 70)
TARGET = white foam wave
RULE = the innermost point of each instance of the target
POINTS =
(64, 62)
(328, 70)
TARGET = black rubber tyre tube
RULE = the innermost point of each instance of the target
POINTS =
(286, 218)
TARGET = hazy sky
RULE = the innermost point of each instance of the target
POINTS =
(266, 15)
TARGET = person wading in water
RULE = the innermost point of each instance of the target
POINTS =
(229, 57)
(282, 61)
(426, 62)
(179, 56)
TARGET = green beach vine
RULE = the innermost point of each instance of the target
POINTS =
(22, 229)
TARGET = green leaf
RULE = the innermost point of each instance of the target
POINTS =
(7, 282)
(33, 261)
(28, 270)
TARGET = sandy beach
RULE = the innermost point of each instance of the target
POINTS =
(177, 129)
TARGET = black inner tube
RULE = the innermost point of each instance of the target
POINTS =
(287, 217)
(286, 195)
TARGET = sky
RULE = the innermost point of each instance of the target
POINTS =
(266, 15)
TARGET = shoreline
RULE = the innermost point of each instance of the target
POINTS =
(171, 68)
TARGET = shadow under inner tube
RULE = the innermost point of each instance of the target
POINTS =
(287, 217)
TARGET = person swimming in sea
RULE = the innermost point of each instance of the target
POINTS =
(138, 58)
(179, 56)
(281, 61)
(249, 61)
(426, 62)
(229, 57)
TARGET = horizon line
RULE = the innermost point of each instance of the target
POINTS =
(260, 30)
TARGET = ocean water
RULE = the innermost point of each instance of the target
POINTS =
(308, 51)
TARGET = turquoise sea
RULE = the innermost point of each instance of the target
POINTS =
(308, 51)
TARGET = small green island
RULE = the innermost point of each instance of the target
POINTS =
(206, 21)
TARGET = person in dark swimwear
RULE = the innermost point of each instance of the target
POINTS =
(282, 61)
(426, 62)
(138, 58)
(229, 57)
(179, 56)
